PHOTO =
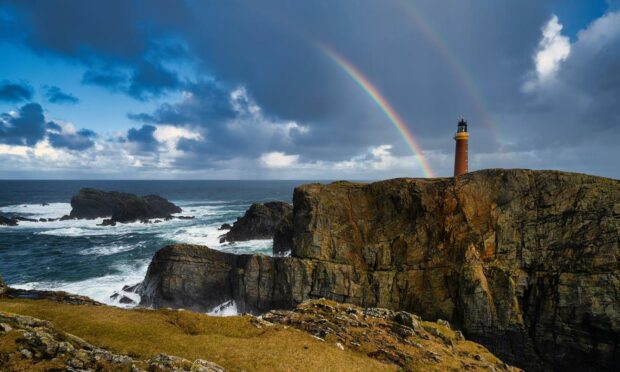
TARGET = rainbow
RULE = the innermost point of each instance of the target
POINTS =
(457, 69)
(389, 111)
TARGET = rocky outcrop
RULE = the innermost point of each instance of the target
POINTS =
(258, 222)
(4, 221)
(33, 344)
(525, 262)
(3, 286)
(120, 206)
(398, 338)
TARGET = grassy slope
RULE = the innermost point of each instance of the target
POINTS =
(231, 342)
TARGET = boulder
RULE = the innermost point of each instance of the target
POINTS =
(524, 262)
(121, 207)
(4, 221)
(258, 222)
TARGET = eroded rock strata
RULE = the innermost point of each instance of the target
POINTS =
(525, 262)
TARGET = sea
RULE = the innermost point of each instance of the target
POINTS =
(77, 256)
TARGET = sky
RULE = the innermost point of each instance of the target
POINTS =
(347, 89)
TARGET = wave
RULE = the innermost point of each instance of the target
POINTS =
(228, 308)
(100, 288)
(108, 250)
(51, 210)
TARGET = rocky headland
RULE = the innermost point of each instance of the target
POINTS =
(524, 262)
(258, 222)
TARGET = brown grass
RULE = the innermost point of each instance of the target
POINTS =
(232, 342)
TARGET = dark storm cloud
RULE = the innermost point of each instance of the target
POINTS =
(111, 34)
(432, 61)
(27, 127)
(81, 140)
(55, 95)
(15, 92)
(143, 137)
(111, 80)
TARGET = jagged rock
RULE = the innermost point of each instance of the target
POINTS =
(380, 337)
(25, 219)
(524, 262)
(8, 221)
(3, 287)
(126, 300)
(57, 296)
(258, 222)
(107, 222)
(225, 226)
(121, 207)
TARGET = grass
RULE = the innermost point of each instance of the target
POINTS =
(232, 342)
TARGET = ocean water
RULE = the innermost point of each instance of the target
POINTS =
(80, 257)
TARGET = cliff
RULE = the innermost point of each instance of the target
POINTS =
(524, 262)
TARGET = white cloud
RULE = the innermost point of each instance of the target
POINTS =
(278, 160)
(553, 49)
(168, 133)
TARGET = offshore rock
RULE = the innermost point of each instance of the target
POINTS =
(524, 262)
(258, 222)
(120, 206)
(4, 221)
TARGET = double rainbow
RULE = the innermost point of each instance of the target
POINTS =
(385, 106)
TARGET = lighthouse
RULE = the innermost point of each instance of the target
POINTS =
(460, 154)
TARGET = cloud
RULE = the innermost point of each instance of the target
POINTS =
(278, 160)
(143, 137)
(80, 140)
(26, 127)
(15, 92)
(553, 49)
(265, 87)
(55, 95)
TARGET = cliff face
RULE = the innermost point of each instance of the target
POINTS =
(525, 262)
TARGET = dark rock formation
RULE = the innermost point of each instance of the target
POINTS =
(524, 262)
(3, 287)
(121, 207)
(57, 296)
(4, 221)
(225, 226)
(283, 237)
(258, 222)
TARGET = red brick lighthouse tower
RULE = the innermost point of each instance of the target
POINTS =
(460, 155)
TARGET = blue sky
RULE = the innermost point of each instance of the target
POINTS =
(184, 90)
